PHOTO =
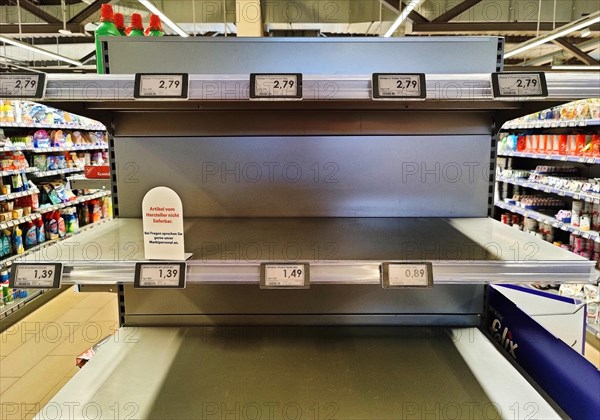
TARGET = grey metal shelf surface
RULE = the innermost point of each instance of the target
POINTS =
(8, 308)
(440, 87)
(340, 250)
(528, 125)
(550, 156)
(83, 183)
(340, 372)
(579, 195)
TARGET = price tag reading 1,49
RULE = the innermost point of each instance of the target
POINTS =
(398, 86)
(284, 276)
(519, 85)
(22, 85)
(414, 274)
(35, 276)
(160, 275)
(161, 86)
(276, 86)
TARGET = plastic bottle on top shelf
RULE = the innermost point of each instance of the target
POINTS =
(106, 28)
(120, 23)
(136, 28)
(155, 27)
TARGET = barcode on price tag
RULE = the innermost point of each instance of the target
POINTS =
(22, 85)
(519, 85)
(284, 276)
(161, 86)
(398, 86)
(160, 275)
(35, 276)
(414, 274)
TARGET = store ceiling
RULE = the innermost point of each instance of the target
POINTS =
(67, 27)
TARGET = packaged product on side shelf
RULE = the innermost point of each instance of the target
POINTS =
(587, 293)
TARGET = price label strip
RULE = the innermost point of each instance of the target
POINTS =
(519, 85)
(35, 276)
(277, 86)
(284, 276)
(22, 85)
(401, 275)
(398, 86)
(161, 86)
(160, 275)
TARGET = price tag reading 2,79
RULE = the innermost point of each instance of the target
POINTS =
(35, 276)
(519, 85)
(284, 276)
(277, 86)
(22, 85)
(160, 275)
(161, 86)
(414, 274)
(399, 86)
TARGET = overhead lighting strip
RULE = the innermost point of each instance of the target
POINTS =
(37, 50)
(148, 5)
(402, 17)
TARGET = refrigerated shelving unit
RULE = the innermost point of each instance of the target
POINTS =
(375, 181)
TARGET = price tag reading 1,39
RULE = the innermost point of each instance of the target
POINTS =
(161, 86)
(414, 274)
(519, 85)
(160, 275)
(22, 85)
(35, 276)
(284, 276)
(276, 86)
(398, 86)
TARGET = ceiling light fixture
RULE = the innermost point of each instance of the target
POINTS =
(402, 17)
(576, 25)
(164, 18)
(575, 67)
(40, 51)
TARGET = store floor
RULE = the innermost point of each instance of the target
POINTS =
(37, 355)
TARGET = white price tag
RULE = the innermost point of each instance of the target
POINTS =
(22, 85)
(398, 86)
(161, 86)
(407, 275)
(518, 85)
(284, 276)
(35, 276)
(276, 86)
(160, 275)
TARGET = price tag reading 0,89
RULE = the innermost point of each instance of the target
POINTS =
(276, 86)
(150, 275)
(283, 275)
(518, 85)
(26, 85)
(161, 86)
(399, 86)
(35, 276)
(407, 275)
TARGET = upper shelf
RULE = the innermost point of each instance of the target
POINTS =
(340, 250)
(104, 90)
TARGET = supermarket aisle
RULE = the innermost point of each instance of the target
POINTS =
(37, 355)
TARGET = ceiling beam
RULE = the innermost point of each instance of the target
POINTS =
(456, 10)
(88, 11)
(394, 6)
(487, 27)
(36, 28)
(36, 11)
(584, 57)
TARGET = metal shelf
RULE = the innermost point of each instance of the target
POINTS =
(28, 148)
(82, 183)
(19, 194)
(18, 303)
(590, 198)
(587, 234)
(206, 87)
(99, 127)
(340, 250)
(526, 125)
(18, 171)
(42, 174)
(549, 156)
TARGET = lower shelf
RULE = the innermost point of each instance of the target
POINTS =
(9, 308)
(359, 373)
